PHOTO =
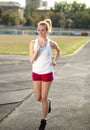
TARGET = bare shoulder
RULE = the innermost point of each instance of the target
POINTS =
(53, 44)
(32, 42)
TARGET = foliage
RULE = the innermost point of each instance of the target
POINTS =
(1, 11)
(29, 9)
(64, 15)
(73, 14)
(11, 18)
(29, 21)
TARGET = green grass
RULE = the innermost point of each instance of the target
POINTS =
(69, 45)
(20, 44)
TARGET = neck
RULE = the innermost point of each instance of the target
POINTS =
(43, 38)
(43, 41)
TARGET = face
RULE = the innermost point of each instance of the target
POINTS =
(42, 30)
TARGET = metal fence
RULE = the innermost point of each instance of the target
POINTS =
(29, 30)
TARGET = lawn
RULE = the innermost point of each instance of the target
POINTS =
(19, 44)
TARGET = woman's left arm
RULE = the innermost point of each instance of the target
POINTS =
(56, 49)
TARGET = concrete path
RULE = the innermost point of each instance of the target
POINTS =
(70, 94)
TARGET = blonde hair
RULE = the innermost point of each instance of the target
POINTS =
(44, 23)
(50, 24)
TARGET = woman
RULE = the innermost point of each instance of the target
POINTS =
(42, 68)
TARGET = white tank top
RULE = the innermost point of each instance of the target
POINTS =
(42, 64)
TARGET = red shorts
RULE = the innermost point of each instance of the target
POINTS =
(42, 77)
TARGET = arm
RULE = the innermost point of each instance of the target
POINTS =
(55, 46)
(33, 54)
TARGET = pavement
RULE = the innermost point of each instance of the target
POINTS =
(70, 94)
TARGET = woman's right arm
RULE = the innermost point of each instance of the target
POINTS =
(33, 54)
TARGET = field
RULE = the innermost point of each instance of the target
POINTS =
(19, 44)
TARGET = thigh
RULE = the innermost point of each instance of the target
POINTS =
(37, 89)
(45, 89)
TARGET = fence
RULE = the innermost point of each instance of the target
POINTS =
(29, 30)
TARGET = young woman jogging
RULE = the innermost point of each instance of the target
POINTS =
(42, 68)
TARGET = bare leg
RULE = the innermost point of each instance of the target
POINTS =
(37, 89)
(41, 90)
(44, 95)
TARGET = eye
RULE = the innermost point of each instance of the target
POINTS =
(40, 30)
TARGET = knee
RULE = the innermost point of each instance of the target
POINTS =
(38, 99)
(44, 99)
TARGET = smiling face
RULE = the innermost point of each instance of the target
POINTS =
(42, 30)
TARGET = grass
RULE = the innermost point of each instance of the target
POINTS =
(69, 45)
(19, 44)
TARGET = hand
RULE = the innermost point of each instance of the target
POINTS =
(38, 47)
(53, 63)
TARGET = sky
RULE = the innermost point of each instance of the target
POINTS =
(51, 2)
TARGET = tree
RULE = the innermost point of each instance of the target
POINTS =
(29, 10)
(69, 23)
(1, 11)
(55, 18)
(5, 19)
(72, 14)
(29, 21)
(86, 21)
(62, 7)
(15, 18)
(10, 18)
